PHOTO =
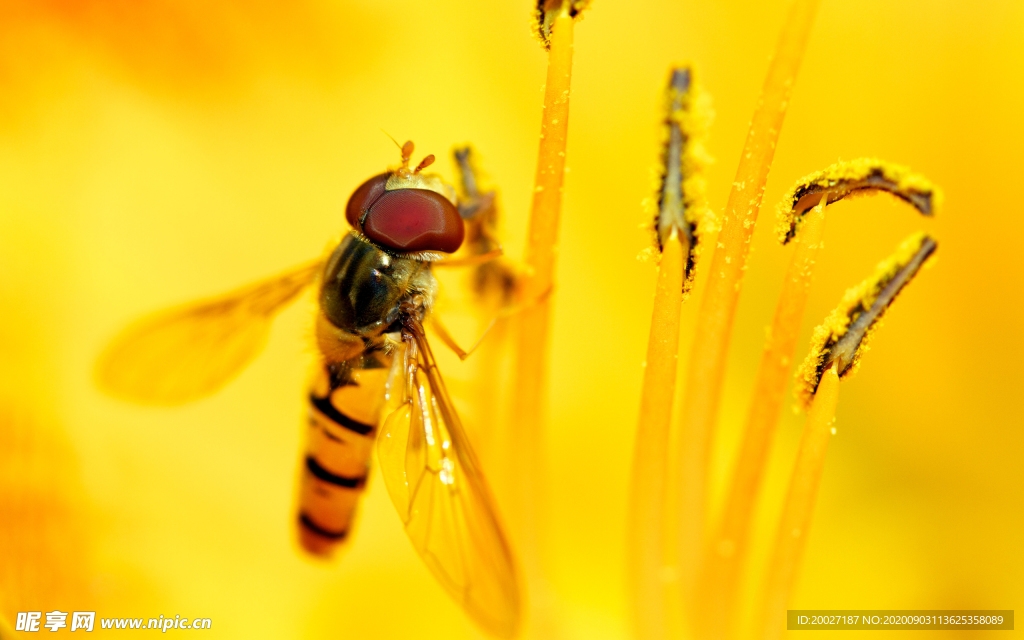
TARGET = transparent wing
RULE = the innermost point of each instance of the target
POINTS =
(189, 352)
(435, 483)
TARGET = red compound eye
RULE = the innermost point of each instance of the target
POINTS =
(414, 220)
(364, 197)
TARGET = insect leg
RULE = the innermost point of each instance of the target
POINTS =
(469, 261)
(446, 337)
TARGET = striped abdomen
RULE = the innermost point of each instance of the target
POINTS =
(345, 402)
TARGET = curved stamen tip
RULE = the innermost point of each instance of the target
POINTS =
(546, 11)
(842, 337)
(682, 209)
(861, 176)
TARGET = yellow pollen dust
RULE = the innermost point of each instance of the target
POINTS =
(854, 177)
(681, 206)
(844, 335)
(546, 11)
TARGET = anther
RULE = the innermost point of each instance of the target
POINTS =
(842, 179)
(547, 10)
(680, 195)
(841, 338)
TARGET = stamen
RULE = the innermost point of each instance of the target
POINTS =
(681, 206)
(720, 573)
(840, 339)
(724, 557)
(547, 10)
(531, 375)
(856, 176)
(797, 511)
(706, 369)
(835, 348)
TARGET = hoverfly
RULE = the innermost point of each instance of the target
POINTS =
(377, 379)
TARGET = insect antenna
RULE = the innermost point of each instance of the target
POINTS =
(424, 163)
(397, 143)
(407, 151)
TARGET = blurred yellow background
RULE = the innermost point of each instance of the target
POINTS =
(160, 151)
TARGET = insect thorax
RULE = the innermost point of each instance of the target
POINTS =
(365, 295)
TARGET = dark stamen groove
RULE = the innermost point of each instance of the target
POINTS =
(845, 349)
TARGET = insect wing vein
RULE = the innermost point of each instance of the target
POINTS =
(449, 515)
(190, 352)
